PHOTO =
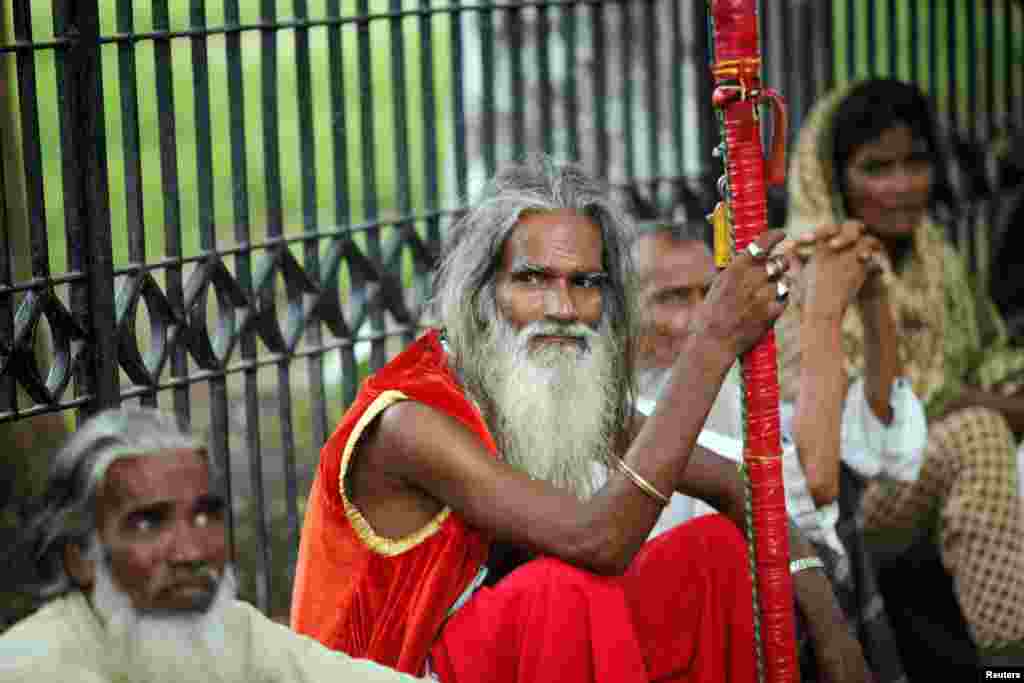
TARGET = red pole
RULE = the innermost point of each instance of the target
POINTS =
(736, 68)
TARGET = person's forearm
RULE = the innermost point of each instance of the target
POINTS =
(881, 363)
(819, 405)
(838, 653)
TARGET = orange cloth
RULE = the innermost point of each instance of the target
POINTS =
(366, 595)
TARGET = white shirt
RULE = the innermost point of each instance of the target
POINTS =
(869, 447)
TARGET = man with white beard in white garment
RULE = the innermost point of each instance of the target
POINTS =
(130, 547)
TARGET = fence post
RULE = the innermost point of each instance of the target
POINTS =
(87, 197)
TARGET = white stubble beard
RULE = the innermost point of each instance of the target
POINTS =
(148, 648)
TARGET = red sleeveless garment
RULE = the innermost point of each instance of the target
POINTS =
(682, 611)
(370, 596)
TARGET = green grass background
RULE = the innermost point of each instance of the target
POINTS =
(252, 58)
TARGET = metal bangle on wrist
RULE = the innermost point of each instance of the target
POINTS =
(803, 563)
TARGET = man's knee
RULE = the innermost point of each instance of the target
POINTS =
(702, 537)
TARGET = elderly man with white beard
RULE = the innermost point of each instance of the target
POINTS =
(130, 546)
(472, 453)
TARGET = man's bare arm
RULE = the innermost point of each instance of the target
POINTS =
(438, 455)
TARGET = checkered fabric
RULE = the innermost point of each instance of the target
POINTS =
(968, 490)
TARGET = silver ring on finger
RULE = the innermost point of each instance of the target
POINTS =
(754, 250)
(781, 291)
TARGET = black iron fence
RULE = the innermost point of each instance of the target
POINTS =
(230, 210)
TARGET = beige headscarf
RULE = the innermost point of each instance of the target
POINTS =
(942, 342)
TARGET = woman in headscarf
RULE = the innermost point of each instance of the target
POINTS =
(909, 323)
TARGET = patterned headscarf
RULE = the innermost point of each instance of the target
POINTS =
(946, 336)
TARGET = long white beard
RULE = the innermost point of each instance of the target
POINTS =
(555, 405)
(156, 648)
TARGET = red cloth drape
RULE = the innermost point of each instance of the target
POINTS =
(682, 612)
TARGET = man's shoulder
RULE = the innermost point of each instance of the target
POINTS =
(53, 618)
(46, 640)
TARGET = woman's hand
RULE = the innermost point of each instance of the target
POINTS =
(843, 264)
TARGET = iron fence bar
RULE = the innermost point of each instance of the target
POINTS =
(311, 262)
(825, 27)
(134, 200)
(135, 222)
(170, 187)
(626, 49)
(272, 187)
(972, 73)
(968, 237)
(291, 480)
(851, 39)
(403, 182)
(32, 162)
(18, 46)
(1014, 106)
(989, 39)
(567, 27)
(81, 403)
(676, 107)
(806, 88)
(8, 392)
(547, 121)
(339, 156)
(991, 209)
(220, 441)
(428, 105)
(1020, 50)
(87, 200)
(933, 48)
(242, 224)
(789, 83)
(952, 99)
(891, 30)
(870, 35)
(951, 66)
(219, 418)
(514, 22)
(653, 88)
(457, 47)
(490, 129)
(597, 36)
(912, 25)
(707, 125)
(1009, 90)
(378, 355)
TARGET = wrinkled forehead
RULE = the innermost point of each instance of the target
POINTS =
(140, 478)
(550, 237)
(661, 257)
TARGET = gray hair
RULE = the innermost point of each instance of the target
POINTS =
(67, 513)
(464, 302)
